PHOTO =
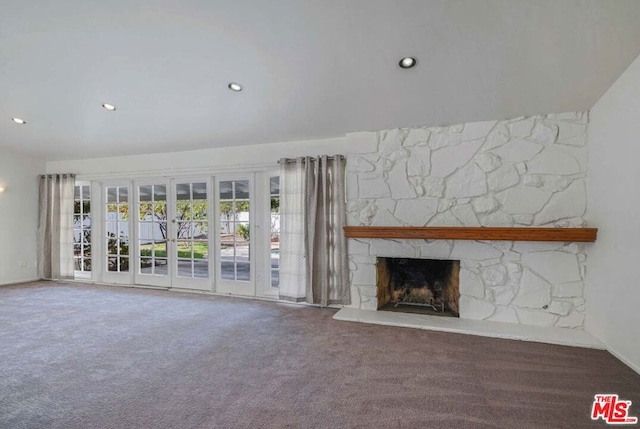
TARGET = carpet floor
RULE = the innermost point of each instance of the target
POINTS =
(85, 356)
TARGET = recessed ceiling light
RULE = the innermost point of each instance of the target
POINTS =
(108, 106)
(235, 87)
(19, 121)
(407, 62)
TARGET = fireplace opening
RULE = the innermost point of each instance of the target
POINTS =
(425, 286)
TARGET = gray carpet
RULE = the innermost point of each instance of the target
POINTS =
(82, 356)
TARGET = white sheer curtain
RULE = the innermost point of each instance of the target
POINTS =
(313, 256)
(55, 226)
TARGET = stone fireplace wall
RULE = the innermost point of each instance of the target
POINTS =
(522, 172)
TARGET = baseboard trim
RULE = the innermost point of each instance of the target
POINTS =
(16, 282)
(624, 360)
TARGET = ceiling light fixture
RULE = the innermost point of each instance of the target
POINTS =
(236, 87)
(109, 107)
(408, 62)
(19, 121)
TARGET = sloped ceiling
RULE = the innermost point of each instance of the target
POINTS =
(310, 69)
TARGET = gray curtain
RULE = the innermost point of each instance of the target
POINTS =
(55, 226)
(313, 255)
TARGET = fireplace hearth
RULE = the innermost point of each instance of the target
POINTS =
(426, 286)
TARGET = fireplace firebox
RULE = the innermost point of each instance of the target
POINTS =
(427, 286)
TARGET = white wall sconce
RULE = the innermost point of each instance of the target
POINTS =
(2, 189)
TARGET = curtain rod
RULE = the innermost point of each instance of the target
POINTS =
(288, 160)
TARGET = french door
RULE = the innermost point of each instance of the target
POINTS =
(172, 232)
(236, 235)
(206, 233)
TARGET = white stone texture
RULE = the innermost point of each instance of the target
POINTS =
(568, 290)
(444, 219)
(534, 180)
(399, 183)
(569, 203)
(373, 186)
(471, 284)
(365, 275)
(497, 218)
(395, 248)
(443, 139)
(416, 136)
(358, 164)
(521, 128)
(572, 133)
(477, 130)
(485, 204)
(554, 267)
(469, 181)
(504, 177)
(448, 159)
(475, 309)
(545, 133)
(523, 199)
(535, 246)
(444, 205)
(537, 318)
(526, 171)
(525, 219)
(503, 295)
(573, 320)
(553, 160)
(357, 247)
(495, 275)
(474, 250)
(534, 292)
(561, 308)
(465, 214)
(436, 249)
(518, 150)
(504, 314)
(384, 217)
(419, 163)
(487, 161)
(391, 143)
(416, 212)
(497, 137)
(433, 186)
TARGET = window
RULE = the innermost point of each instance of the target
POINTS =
(274, 185)
(82, 229)
(117, 228)
(235, 263)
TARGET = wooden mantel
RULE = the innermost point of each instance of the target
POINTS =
(473, 233)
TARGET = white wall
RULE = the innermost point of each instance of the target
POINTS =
(18, 217)
(613, 288)
(210, 159)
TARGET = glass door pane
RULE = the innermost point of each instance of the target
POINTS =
(152, 230)
(191, 221)
(234, 237)
(117, 228)
(274, 186)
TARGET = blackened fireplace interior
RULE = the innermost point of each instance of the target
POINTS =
(426, 286)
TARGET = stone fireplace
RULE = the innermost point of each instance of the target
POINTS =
(427, 286)
(523, 172)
